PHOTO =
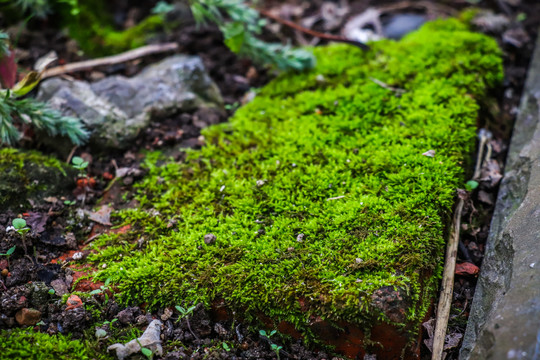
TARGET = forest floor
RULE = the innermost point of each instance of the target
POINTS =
(205, 335)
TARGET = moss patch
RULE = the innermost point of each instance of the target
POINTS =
(317, 192)
(29, 174)
(27, 344)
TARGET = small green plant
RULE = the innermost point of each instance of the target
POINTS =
(16, 112)
(226, 346)
(240, 24)
(471, 185)
(145, 351)
(69, 202)
(51, 292)
(184, 313)
(20, 227)
(275, 348)
(78, 163)
(8, 253)
(103, 289)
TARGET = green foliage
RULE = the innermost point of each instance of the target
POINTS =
(37, 115)
(27, 344)
(240, 24)
(78, 163)
(317, 191)
(20, 226)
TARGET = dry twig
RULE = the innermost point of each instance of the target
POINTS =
(445, 300)
(110, 60)
(314, 33)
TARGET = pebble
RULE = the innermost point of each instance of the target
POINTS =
(28, 317)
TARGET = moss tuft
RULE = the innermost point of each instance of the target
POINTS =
(28, 344)
(317, 191)
(29, 174)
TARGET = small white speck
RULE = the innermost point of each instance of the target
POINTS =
(260, 183)
(532, 265)
(104, 266)
(78, 256)
(222, 188)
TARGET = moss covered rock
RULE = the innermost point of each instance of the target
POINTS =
(321, 197)
(31, 175)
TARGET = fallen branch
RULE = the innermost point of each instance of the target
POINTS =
(445, 300)
(110, 60)
(314, 33)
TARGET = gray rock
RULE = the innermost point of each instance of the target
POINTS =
(116, 109)
(60, 287)
(400, 25)
(505, 315)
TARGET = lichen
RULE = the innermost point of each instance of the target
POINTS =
(29, 174)
(317, 192)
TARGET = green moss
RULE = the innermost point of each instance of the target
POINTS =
(29, 174)
(27, 344)
(95, 33)
(317, 191)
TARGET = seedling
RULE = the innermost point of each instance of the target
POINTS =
(8, 253)
(146, 352)
(78, 163)
(275, 348)
(102, 290)
(226, 347)
(51, 292)
(20, 227)
(184, 313)
(69, 202)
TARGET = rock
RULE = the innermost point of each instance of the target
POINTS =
(13, 300)
(73, 320)
(28, 317)
(210, 239)
(127, 316)
(115, 109)
(150, 339)
(60, 287)
(392, 303)
(505, 314)
(400, 25)
(39, 295)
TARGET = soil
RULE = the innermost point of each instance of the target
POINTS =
(31, 274)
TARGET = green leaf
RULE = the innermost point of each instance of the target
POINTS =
(11, 250)
(235, 35)
(97, 291)
(162, 7)
(100, 333)
(263, 333)
(77, 160)
(180, 309)
(27, 84)
(146, 352)
(471, 185)
(19, 224)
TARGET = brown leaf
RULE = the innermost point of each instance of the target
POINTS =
(102, 216)
(37, 221)
(467, 268)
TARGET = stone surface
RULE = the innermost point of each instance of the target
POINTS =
(505, 316)
(115, 109)
(28, 317)
(150, 339)
(60, 287)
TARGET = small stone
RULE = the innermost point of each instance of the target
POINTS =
(167, 313)
(28, 317)
(300, 237)
(5, 272)
(210, 239)
(60, 287)
(429, 153)
(260, 183)
(77, 256)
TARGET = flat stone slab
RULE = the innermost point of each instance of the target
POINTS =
(505, 315)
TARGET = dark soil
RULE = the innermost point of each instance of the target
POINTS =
(28, 277)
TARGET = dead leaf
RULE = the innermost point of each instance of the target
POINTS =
(467, 268)
(102, 216)
(37, 221)
(452, 341)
